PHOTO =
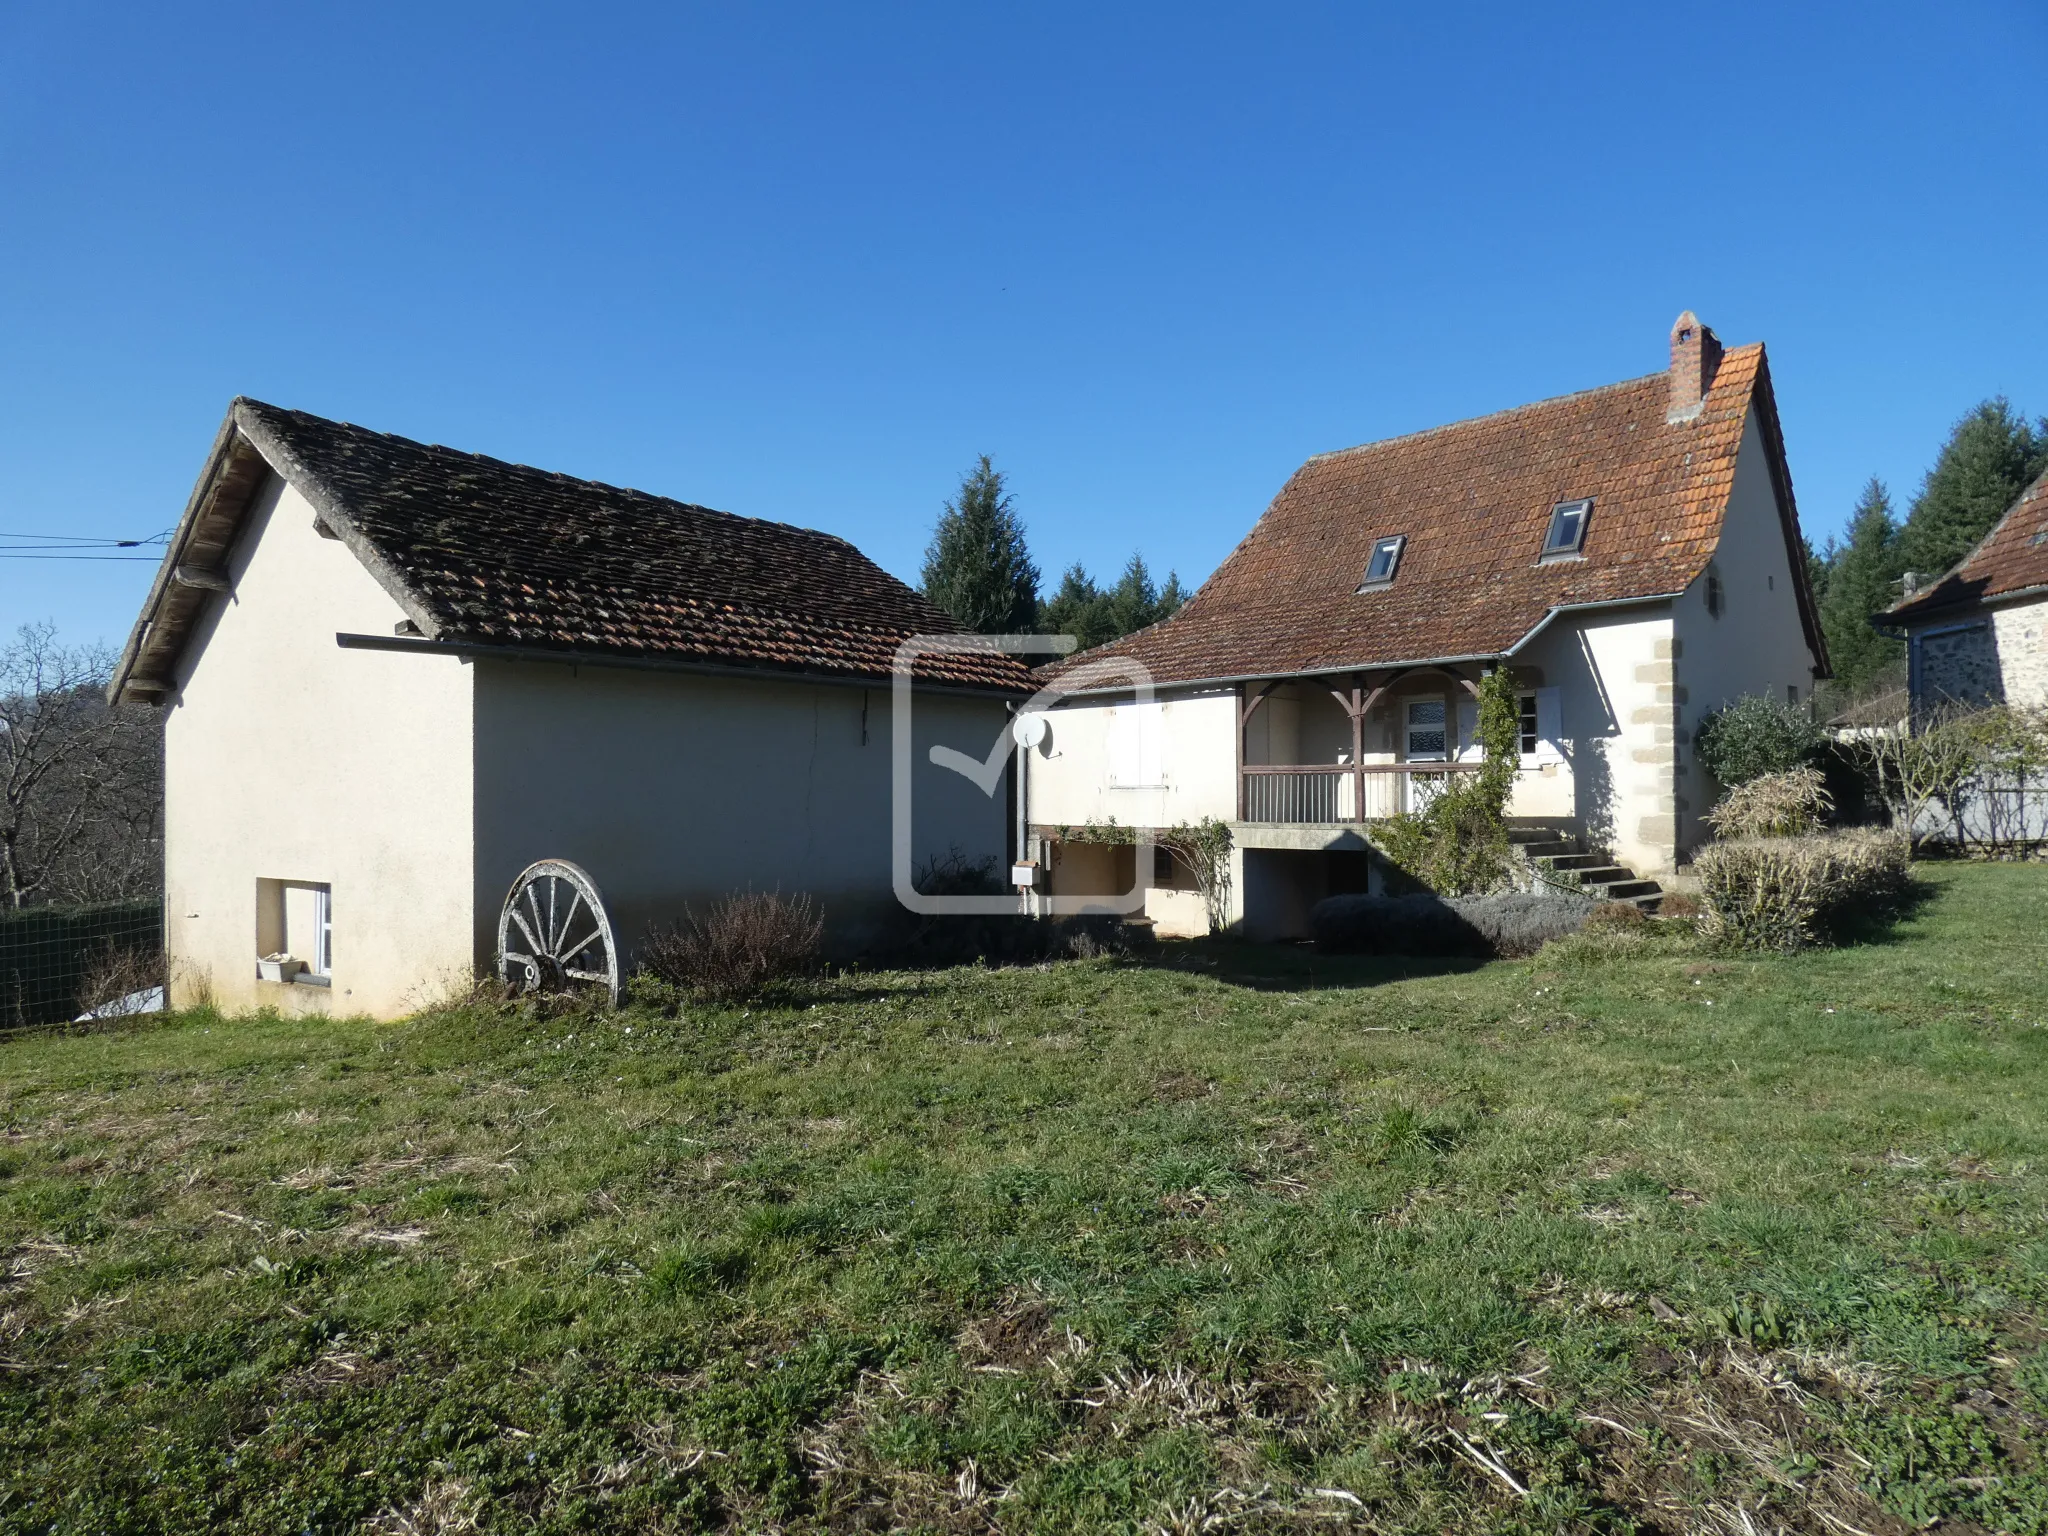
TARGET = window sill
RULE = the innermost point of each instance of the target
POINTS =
(324, 983)
(1565, 557)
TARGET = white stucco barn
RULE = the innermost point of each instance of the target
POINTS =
(397, 675)
(1632, 553)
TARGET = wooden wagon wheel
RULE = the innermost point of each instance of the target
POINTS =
(554, 934)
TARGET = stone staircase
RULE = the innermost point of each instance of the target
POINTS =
(1558, 861)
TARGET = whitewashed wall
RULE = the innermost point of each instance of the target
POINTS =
(1757, 645)
(1109, 759)
(288, 758)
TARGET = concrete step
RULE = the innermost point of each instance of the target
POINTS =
(1552, 850)
(1603, 874)
(1563, 861)
(1626, 890)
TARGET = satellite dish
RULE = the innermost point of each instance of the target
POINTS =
(1029, 728)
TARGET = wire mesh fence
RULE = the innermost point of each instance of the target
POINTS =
(57, 963)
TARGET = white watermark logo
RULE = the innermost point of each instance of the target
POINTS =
(1027, 738)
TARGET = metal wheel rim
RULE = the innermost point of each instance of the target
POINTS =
(554, 934)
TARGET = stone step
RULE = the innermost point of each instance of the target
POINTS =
(1627, 890)
(1550, 850)
(1603, 874)
(1563, 861)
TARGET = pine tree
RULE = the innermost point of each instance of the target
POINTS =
(1862, 579)
(1134, 600)
(1080, 609)
(1095, 617)
(1990, 457)
(977, 567)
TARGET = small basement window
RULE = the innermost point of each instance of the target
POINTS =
(1386, 558)
(295, 919)
(1567, 535)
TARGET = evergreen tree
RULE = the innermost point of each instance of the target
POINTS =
(1862, 579)
(1095, 617)
(1080, 609)
(1134, 600)
(977, 567)
(1989, 459)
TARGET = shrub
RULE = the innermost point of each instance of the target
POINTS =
(1421, 924)
(952, 873)
(1617, 917)
(746, 943)
(1788, 804)
(1784, 893)
(117, 980)
(1679, 904)
(1755, 736)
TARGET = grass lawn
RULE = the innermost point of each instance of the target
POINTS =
(1626, 1236)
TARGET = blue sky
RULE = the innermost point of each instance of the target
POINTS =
(805, 263)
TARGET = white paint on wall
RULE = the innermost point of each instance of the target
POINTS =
(1074, 773)
(1757, 644)
(287, 758)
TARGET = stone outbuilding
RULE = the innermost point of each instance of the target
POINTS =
(1979, 634)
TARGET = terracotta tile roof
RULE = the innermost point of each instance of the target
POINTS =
(2010, 559)
(481, 552)
(1474, 500)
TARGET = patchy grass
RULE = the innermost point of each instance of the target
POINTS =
(1625, 1236)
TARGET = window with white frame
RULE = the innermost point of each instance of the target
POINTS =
(295, 919)
(1428, 733)
(1531, 732)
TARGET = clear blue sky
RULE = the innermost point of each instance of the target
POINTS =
(806, 263)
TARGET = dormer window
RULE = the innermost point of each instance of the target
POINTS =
(1386, 558)
(1567, 535)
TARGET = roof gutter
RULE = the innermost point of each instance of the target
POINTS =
(1900, 629)
(474, 651)
(1612, 602)
(1235, 678)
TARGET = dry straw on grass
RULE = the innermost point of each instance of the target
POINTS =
(1790, 804)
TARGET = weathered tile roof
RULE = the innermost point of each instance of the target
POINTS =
(2012, 558)
(1474, 500)
(480, 552)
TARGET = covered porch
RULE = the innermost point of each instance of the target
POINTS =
(1356, 747)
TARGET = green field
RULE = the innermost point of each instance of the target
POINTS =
(1625, 1236)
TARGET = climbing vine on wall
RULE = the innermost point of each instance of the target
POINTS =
(1457, 845)
(1202, 848)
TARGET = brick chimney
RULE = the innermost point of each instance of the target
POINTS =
(1695, 354)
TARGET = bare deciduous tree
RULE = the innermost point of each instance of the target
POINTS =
(81, 781)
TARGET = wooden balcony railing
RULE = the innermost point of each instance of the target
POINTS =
(1316, 792)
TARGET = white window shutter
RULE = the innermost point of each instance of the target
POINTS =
(1469, 749)
(1549, 732)
(1135, 746)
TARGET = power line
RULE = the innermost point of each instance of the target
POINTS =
(71, 546)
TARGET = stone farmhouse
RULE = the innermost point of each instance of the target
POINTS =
(1632, 553)
(1979, 634)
